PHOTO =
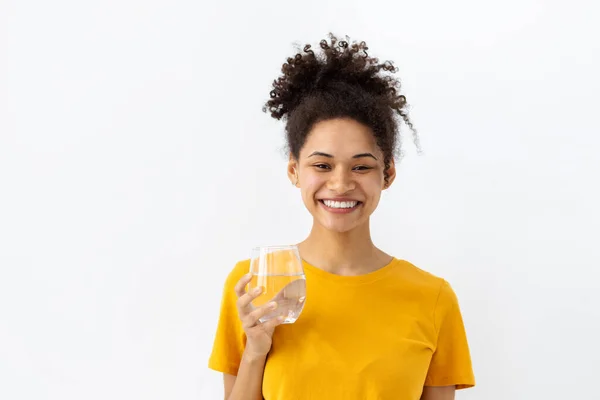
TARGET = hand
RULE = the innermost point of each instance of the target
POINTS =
(258, 335)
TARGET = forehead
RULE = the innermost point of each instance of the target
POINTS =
(341, 138)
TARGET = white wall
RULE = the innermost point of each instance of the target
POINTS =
(136, 167)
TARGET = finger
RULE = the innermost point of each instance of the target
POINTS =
(253, 317)
(240, 287)
(271, 324)
(244, 301)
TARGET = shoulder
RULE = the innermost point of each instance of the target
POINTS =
(419, 277)
(436, 288)
(236, 273)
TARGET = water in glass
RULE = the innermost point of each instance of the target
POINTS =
(278, 269)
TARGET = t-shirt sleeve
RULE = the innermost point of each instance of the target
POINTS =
(230, 340)
(451, 361)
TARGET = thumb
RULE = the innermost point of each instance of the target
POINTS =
(271, 324)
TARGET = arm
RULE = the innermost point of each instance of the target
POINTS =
(438, 393)
(248, 383)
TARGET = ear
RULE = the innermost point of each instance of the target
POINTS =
(292, 171)
(391, 174)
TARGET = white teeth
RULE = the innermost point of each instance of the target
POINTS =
(340, 204)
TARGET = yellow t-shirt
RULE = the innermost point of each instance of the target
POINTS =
(377, 336)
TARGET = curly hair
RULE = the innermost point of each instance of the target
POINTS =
(341, 81)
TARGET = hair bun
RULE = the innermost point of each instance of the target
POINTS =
(337, 61)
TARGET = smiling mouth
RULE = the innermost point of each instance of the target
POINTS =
(341, 205)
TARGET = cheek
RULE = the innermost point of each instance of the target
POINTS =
(310, 185)
(373, 188)
(313, 181)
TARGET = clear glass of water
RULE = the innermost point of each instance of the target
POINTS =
(278, 269)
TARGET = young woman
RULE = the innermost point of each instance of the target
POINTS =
(374, 327)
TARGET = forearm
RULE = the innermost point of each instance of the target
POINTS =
(248, 383)
(438, 392)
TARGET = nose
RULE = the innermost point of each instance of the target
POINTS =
(341, 182)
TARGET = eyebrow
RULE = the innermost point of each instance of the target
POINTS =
(361, 155)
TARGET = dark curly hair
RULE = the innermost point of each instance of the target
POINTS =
(341, 81)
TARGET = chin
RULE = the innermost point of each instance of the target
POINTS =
(338, 226)
(340, 223)
(338, 229)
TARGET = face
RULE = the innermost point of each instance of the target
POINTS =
(340, 171)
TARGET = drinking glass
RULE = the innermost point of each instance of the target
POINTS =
(278, 269)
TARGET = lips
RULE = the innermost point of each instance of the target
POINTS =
(340, 206)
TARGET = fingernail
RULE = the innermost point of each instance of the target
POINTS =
(273, 305)
(257, 290)
(281, 318)
(248, 275)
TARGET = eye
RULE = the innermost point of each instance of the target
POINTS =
(362, 168)
(321, 166)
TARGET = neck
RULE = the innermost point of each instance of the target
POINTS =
(345, 253)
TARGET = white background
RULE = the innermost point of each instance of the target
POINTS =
(136, 167)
